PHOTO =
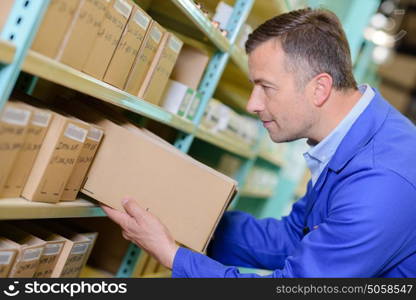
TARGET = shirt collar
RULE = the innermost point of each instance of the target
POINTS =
(323, 151)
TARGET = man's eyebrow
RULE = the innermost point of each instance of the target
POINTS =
(261, 80)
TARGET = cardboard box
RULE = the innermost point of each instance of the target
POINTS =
(82, 32)
(29, 253)
(83, 163)
(155, 82)
(187, 196)
(8, 253)
(190, 66)
(56, 159)
(116, 16)
(144, 58)
(128, 48)
(54, 25)
(91, 235)
(5, 9)
(52, 251)
(73, 253)
(13, 123)
(35, 133)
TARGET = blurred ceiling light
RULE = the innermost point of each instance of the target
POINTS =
(381, 54)
(379, 37)
(379, 21)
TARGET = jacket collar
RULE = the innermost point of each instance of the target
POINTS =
(361, 132)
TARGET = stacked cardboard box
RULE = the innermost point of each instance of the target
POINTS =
(36, 130)
(29, 249)
(128, 48)
(56, 159)
(14, 119)
(114, 41)
(44, 155)
(117, 14)
(144, 58)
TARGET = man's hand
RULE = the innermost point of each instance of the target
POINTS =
(145, 230)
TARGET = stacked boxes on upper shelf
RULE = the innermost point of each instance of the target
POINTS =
(181, 96)
(111, 40)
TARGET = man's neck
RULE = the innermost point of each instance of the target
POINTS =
(333, 112)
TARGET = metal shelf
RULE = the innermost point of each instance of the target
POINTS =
(255, 194)
(51, 70)
(273, 159)
(19, 208)
(203, 23)
(7, 52)
(232, 145)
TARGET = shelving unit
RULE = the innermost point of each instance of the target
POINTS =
(224, 142)
(18, 208)
(43, 67)
(255, 194)
(14, 55)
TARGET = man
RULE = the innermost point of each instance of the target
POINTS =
(357, 218)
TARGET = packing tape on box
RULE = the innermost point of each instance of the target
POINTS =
(175, 44)
(142, 20)
(15, 116)
(80, 248)
(6, 257)
(52, 249)
(123, 8)
(41, 119)
(156, 34)
(95, 134)
(76, 133)
(32, 254)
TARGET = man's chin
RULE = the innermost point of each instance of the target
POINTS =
(283, 139)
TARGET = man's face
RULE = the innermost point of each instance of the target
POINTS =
(284, 108)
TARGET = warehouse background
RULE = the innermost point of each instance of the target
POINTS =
(173, 72)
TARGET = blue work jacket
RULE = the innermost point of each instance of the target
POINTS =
(358, 220)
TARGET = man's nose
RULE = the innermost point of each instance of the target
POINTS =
(255, 103)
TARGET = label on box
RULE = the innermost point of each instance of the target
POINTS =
(15, 116)
(80, 248)
(95, 134)
(52, 249)
(6, 257)
(41, 119)
(32, 254)
(175, 44)
(141, 19)
(123, 8)
(156, 34)
(76, 133)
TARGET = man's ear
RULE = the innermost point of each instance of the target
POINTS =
(322, 86)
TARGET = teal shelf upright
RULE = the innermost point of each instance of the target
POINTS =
(19, 30)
